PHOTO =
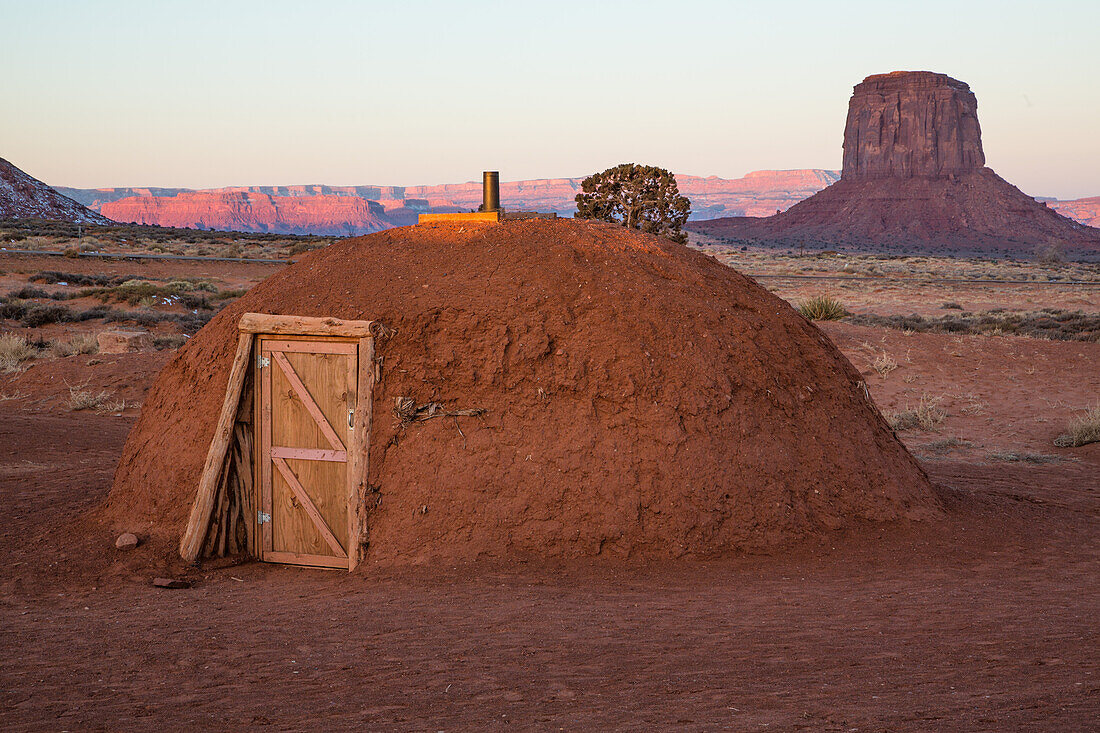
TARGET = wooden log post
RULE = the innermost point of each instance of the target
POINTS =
(206, 495)
(359, 454)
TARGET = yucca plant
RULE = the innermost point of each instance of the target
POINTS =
(822, 308)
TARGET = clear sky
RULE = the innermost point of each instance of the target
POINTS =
(203, 94)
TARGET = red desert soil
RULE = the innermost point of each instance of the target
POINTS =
(983, 619)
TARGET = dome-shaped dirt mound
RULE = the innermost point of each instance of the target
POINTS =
(642, 400)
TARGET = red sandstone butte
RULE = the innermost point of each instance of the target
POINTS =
(911, 124)
(914, 179)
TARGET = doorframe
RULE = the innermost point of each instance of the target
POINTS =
(305, 328)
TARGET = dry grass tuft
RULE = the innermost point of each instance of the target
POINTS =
(945, 446)
(1081, 430)
(822, 308)
(1015, 457)
(14, 350)
(101, 402)
(82, 343)
(928, 415)
(884, 364)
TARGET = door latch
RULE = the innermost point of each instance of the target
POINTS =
(262, 517)
(351, 418)
(263, 361)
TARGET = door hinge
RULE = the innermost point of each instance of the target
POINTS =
(262, 517)
(263, 361)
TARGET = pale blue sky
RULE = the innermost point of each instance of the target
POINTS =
(203, 94)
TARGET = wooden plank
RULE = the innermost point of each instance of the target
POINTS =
(264, 378)
(308, 505)
(352, 465)
(359, 454)
(302, 325)
(312, 347)
(315, 561)
(205, 495)
(243, 464)
(309, 454)
(308, 401)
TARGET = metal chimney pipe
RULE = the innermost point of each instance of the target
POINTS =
(490, 191)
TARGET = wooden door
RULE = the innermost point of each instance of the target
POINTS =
(307, 397)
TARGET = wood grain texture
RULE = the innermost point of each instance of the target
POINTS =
(312, 347)
(308, 401)
(302, 325)
(309, 454)
(264, 380)
(308, 506)
(313, 561)
(198, 522)
(359, 453)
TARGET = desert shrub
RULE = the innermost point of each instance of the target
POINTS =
(40, 315)
(82, 343)
(945, 445)
(1014, 456)
(1053, 254)
(171, 341)
(1049, 323)
(300, 248)
(927, 415)
(27, 292)
(14, 350)
(822, 308)
(884, 364)
(145, 293)
(13, 309)
(91, 314)
(951, 305)
(194, 301)
(230, 294)
(1082, 429)
(902, 420)
(102, 401)
(71, 252)
(189, 322)
(52, 277)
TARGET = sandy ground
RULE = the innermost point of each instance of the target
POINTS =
(984, 620)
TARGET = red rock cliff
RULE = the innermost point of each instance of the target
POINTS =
(910, 124)
(247, 211)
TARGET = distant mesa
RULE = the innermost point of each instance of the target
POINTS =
(245, 210)
(24, 197)
(352, 210)
(914, 176)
